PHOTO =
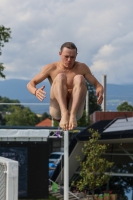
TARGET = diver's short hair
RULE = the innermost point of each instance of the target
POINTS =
(69, 45)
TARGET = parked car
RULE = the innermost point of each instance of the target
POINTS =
(52, 167)
(55, 157)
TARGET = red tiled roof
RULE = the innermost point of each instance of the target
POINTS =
(45, 122)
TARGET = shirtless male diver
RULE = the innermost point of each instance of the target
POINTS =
(68, 86)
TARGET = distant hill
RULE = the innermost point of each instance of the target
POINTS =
(16, 89)
(116, 94)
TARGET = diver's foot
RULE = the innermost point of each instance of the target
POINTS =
(72, 122)
(64, 122)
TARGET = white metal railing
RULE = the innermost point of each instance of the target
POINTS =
(2, 181)
(40, 104)
(8, 179)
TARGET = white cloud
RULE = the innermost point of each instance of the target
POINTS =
(102, 31)
(115, 60)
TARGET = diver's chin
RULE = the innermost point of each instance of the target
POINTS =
(68, 65)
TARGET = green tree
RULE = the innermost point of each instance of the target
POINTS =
(5, 35)
(21, 117)
(93, 169)
(56, 123)
(84, 120)
(125, 107)
(45, 116)
(2, 120)
(93, 106)
(7, 107)
(1, 70)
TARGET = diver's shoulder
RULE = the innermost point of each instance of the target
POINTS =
(80, 64)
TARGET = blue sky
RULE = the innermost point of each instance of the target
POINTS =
(101, 29)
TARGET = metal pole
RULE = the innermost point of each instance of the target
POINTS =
(132, 192)
(66, 165)
(87, 105)
(104, 95)
(52, 122)
(61, 172)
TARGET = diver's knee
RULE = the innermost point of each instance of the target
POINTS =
(61, 76)
(79, 79)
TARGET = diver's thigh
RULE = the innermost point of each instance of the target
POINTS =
(54, 108)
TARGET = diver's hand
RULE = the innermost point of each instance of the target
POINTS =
(40, 93)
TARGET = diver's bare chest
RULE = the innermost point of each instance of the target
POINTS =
(70, 75)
